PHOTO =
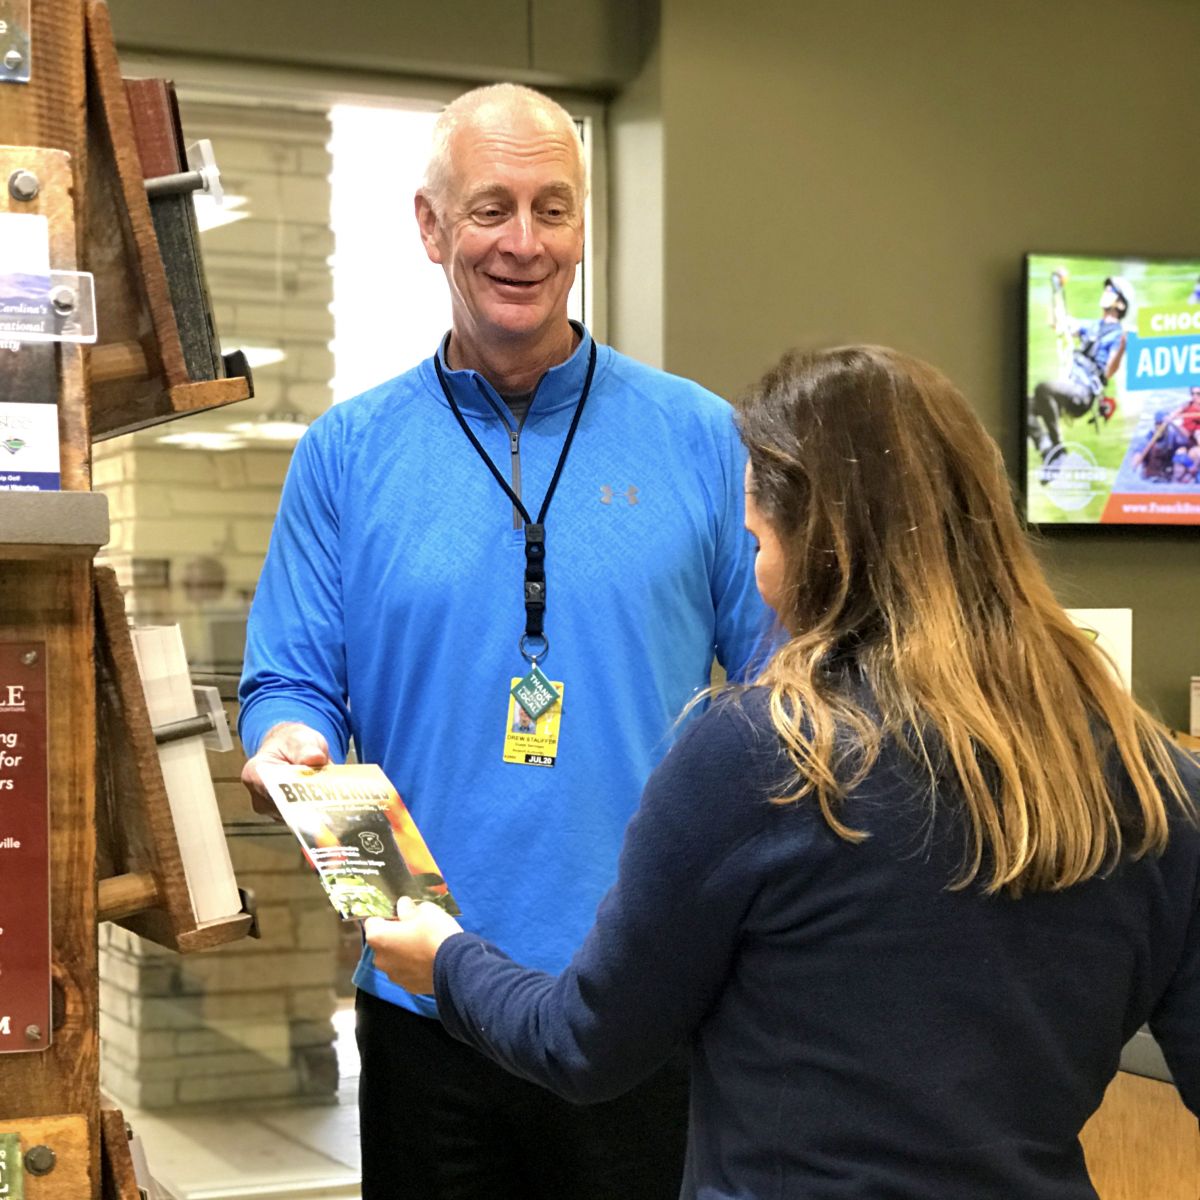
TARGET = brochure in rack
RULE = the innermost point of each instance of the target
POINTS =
(357, 833)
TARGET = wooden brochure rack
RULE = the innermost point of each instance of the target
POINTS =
(68, 681)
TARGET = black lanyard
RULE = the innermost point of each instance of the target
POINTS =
(535, 531)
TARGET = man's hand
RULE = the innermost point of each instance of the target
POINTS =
(289, 742)
(405, 948)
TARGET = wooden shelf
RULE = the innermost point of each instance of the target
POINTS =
(70, 127)
(138, 374)
(41, 525)
(1142, 1144)
(142, 886)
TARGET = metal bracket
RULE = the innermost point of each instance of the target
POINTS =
(42, 297)
(204, 175)
(63, 309)
(14, 41)
(209, 723)
(250, 907)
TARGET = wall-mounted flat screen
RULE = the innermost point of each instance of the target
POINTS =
(1112, 391)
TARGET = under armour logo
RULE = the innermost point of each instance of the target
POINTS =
(606, 494)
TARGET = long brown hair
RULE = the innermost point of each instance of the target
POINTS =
(904, 557)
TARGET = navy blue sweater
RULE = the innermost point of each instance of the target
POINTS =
(857, 1028)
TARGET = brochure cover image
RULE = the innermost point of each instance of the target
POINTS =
(1112, 390)
(357, 833)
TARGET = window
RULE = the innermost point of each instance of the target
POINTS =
(316, 270)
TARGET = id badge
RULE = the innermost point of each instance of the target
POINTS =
(528, 740)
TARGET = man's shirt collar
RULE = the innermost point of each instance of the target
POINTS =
(559, 387)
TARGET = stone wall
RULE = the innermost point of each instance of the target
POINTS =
(189, 531)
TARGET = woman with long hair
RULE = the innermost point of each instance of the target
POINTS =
(907, 895)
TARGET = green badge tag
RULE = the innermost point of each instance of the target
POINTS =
(12, 1170)
(535, 693)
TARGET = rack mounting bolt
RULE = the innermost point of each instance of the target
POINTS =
(23, 185)
(40, 1160)
(63, 300)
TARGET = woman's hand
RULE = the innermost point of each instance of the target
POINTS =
(405, 947)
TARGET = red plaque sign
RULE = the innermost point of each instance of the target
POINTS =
(24, 850)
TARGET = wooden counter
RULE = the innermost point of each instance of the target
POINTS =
(1142, 1144)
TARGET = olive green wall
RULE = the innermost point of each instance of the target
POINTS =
(805, 171)
(842, 170)
(581, 43)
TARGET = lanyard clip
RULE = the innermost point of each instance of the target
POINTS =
(535, 579)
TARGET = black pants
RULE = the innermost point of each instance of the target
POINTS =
(441, 1122)
(1051, 399)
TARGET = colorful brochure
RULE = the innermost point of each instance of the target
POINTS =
(357, 833)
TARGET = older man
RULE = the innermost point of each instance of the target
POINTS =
(524, 508)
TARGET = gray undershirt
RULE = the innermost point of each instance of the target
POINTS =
(519, 406)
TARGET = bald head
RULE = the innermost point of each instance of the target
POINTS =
(500, 105)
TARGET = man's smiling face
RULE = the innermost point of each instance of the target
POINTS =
(511, 231)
